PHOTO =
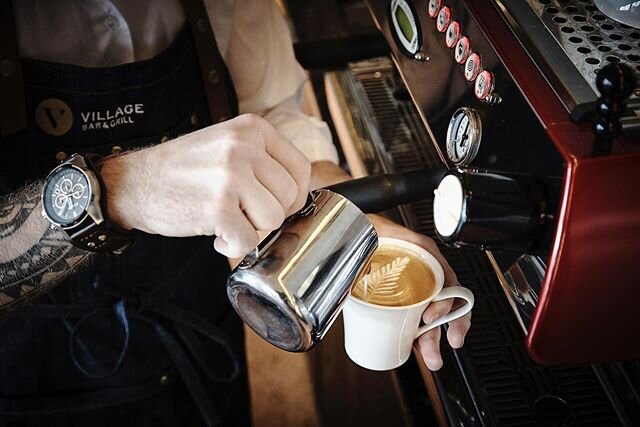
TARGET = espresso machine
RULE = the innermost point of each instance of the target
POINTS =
(537, 209)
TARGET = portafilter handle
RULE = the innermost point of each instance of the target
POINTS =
(381, 192)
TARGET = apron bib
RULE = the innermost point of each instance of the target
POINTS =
(145, 338)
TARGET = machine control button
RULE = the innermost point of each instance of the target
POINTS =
(484, 85)
(452, 35)
(472, 67)
(444, 17)
(462, 50)
(434, 7)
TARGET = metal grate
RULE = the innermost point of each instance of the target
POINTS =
(589, 38)
(505, 386)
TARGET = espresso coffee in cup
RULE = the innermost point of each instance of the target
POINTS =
(382, 314)
(397, 277)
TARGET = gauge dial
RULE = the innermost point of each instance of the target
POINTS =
(405, 26)
(463, 136)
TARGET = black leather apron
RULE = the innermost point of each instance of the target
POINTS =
(143, 339)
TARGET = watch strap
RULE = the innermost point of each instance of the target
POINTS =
(104, 237)
(107, 236)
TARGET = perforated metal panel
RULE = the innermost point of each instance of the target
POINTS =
(570, 41)
(587, 36)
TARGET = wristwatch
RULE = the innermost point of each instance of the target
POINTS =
(74, 200)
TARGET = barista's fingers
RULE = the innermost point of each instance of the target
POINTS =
(235, 235)
(436, 310)
(429, 346)
(458, 330)
(275, 178)
(261, 207)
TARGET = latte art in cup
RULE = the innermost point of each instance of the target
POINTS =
(397, 277)
(383, 314)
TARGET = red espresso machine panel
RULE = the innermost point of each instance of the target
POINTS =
(511, 87)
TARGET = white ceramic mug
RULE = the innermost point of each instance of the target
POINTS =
(380, 337)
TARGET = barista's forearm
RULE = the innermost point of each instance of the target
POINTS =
(325, 173)
(33, 256)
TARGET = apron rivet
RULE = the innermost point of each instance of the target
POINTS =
(91, 245)
(164, 380)
(194, 119)
(214, 77)
(102, 237)
(61, 155)
(164, 139)
(112, 22)
(116, 149)
(7, 68)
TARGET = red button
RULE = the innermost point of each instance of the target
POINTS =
(472, 67)
(434, 7)
(452, 35)
(484, 85)
(444, 17)
(461, 52)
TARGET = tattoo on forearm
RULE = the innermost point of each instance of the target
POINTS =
(33, 256)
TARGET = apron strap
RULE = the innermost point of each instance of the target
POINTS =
(13, 107)
(221, 96)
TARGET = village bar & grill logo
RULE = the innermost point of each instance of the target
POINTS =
(55, 117)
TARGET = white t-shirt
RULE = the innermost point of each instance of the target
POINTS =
(252, 36)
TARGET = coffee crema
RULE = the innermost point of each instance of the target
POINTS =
(397, 277)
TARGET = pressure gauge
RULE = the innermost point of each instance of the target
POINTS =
(405, 27)
(463, 136)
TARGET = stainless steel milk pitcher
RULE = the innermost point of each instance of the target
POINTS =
(291, 289)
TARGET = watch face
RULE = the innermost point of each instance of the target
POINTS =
(66, 196)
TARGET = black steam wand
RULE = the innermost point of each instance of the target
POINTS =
(380, 192)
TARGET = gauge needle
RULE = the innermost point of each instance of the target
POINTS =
(464, 134)
(462, 140)
(70, 202)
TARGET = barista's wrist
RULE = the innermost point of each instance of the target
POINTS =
(122, 176)
(325, 173)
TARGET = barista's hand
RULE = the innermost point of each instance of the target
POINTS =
(229, 180)
(429, 343)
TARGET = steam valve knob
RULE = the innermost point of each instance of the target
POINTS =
(615, 82)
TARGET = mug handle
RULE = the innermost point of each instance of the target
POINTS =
(446, 293)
